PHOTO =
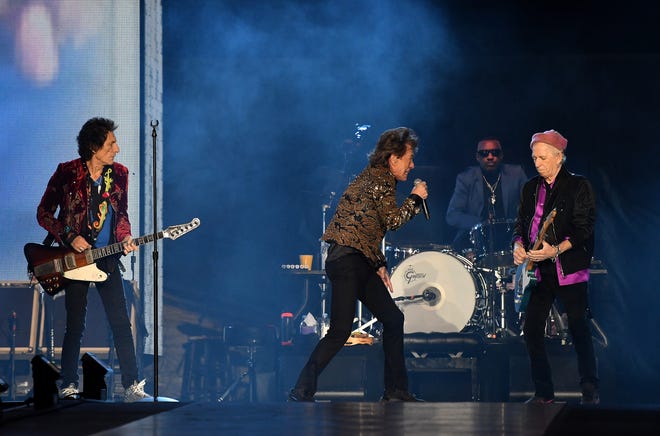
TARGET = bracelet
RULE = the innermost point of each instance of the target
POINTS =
(558, 251)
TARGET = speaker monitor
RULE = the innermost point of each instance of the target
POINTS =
(44, 375)
(96, 377)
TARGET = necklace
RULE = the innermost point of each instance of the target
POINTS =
(492, 188)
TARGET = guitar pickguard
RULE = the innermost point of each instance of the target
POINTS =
(88, 273)
(525, 282)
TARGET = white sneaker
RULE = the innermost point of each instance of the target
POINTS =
(135, 392)
(70, 392)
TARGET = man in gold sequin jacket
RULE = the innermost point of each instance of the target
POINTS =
(367, 210)
(356, 267)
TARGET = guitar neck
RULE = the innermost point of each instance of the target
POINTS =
(541, 235)
(118, 247)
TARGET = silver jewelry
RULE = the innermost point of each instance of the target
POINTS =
(492, 188)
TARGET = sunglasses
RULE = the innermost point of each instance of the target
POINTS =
(484, 153)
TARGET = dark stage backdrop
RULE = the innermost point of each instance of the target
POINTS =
(262, 101)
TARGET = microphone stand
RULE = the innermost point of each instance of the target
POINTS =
(154, 124)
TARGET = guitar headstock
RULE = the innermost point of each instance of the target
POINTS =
(174, 232)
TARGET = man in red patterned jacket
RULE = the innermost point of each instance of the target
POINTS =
(91, 194)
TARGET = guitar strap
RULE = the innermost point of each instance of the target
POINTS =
(49, 239)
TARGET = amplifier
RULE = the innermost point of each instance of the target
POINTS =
(19, 309)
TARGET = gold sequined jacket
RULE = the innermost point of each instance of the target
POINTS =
(368, 209)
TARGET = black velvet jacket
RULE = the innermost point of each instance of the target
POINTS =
(574, 199)
(366, 210)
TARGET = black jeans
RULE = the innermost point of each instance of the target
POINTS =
(353, 278)
(114, 302)
(575, 300)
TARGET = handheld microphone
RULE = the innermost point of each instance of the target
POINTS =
(425, 206)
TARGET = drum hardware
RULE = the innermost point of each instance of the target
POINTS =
(363, 326)
(492, 243)
(503, 320)
(250, 337)
(251, 374)
(602, 338)
(430, 295)
(556, 326)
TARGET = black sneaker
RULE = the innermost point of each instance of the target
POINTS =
(540, 400)
(589, 394)
(297, 396)
(69, 392)
(399, 395)
(590, 399)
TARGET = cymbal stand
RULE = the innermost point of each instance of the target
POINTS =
(501, 289)
(602, 338)
(324, 325)
(556, 325)
(251, 376)
(500, 327)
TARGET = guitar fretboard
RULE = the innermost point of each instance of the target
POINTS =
(109, 250)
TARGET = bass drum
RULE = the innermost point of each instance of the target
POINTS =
(439, 292)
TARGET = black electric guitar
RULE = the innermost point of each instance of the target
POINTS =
(525, 274)
(53, 267)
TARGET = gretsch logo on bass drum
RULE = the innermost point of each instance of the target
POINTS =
(411, 275)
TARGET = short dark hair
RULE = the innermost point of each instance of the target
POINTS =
(92, 136)
(392, 142)
(490, 139)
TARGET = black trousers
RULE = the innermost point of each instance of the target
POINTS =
(352, 278)
(575, 301)
(114, 302)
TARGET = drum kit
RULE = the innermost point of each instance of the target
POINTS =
(443, 291)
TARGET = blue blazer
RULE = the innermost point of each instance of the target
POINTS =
(467, 202)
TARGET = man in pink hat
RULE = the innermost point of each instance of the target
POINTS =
(561, 261)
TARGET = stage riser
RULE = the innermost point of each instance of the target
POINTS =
(564, 374)
(351, 376)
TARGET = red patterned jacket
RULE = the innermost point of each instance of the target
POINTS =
(67, 190)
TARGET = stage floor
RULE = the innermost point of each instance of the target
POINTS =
(327, 418)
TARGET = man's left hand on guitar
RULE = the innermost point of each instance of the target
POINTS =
(129, 245)
(546, 251)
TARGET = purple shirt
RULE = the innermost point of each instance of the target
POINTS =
(570, 279)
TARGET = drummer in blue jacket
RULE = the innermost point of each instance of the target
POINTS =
(487, 194)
